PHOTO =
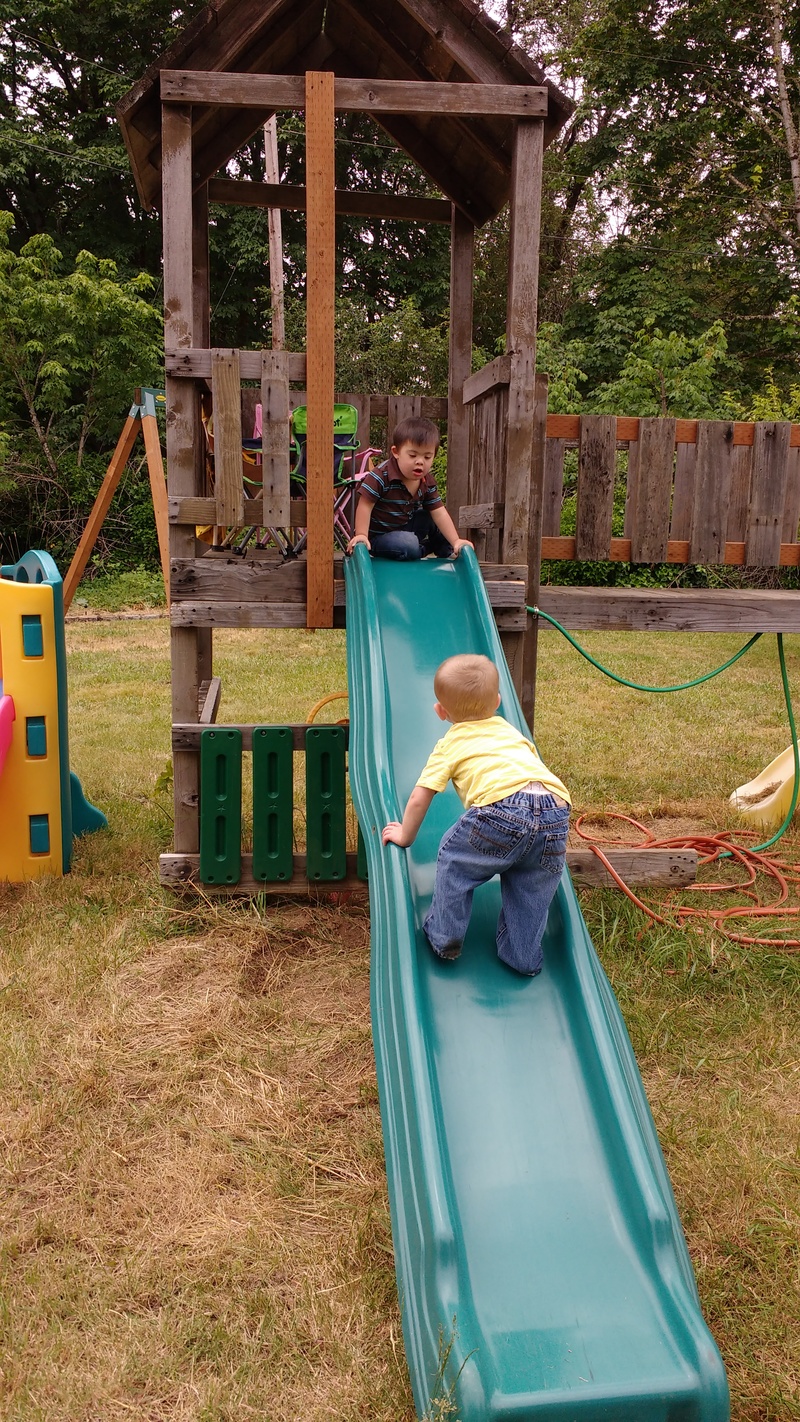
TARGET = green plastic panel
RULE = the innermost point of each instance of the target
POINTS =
(542, 1271)
(273, 804)
(36, 737)
(32, 636)
(221, 805)
(39, 834)
(326, 814)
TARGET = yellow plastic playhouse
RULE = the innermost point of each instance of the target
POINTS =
(42, 804)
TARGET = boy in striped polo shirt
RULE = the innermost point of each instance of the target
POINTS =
(400, 514)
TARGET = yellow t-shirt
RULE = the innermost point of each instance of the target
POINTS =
(486, 761)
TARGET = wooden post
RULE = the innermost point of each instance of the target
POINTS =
(182, 439)
(321, 271)
(530, 637)
(158, 489)
(100, 507)
(521, 468)
(275, 440)
(462, 246)
(272, 174)
(201, 284)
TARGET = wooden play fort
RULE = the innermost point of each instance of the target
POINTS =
(475, 113)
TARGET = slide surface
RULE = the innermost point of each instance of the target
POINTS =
(542, 1270)
(765, 800)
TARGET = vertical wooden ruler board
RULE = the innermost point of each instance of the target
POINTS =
(321, 252)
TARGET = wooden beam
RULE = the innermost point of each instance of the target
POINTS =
(276, 511)
(374, 96)
(462, 251)
(711, 489)
(672, 610)
(481, 516)
(100, 508)
(228, 486)
(183, 437)
(654, 471)
(210, 693)
(678, 551)
(187, 737)
(489, 377)
(768, 480)
(526, 188)
(535, 513)
(196, 364)
(638, 867)
(158, 490)
(180, 870)
(320, 343)
(348, 204)
(635, 866)
(568, 427)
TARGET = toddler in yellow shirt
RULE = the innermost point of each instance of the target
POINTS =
(515, 822)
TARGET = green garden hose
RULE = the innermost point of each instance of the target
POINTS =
(686, 685)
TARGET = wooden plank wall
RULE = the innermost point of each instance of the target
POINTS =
(696, 491)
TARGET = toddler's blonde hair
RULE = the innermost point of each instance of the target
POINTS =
(466, 686)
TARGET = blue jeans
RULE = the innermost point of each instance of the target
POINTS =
(407, 545)
(523, 839)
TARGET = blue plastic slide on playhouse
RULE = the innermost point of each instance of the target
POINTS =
(542, 1271)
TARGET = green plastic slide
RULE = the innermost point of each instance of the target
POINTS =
(542, 1270)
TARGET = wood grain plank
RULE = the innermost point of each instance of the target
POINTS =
(102, 503)
(637, 867)
(397, 207)
(712, 487)
(597, 463)
(228, 486)
(526, 187)
(389, 96)
(741, 469)
(672, 610)
(654, 472)
(631, 487)
(183, 439)
(791, 509)
(677, 551)
(275, 439)
(553, 491)
(462, 258)
(321, 254)
(683, 494)
(768, 482)
(497, 372)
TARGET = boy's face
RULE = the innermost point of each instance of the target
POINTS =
(414, 460)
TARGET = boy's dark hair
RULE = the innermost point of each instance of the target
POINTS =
(416, 430)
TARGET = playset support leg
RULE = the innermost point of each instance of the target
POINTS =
(523, 408)
(321, 262)
(462, 247)
(105, 494)
(183, 440)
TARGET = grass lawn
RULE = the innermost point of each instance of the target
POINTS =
(193, 1215)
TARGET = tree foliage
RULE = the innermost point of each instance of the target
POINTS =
(670, 240)
(73, 344)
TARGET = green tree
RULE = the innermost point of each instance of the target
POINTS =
(73, 345)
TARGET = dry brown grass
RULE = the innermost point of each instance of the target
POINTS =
(194, 1208)
(193, 1215)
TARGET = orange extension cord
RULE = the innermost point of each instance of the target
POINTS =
(712, 847)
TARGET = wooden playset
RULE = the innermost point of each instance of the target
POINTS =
(475, 113)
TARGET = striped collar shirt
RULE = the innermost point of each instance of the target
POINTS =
(395, 504)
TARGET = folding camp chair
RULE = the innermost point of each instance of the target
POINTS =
(291, 542)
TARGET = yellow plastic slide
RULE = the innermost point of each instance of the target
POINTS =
(765, 801)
